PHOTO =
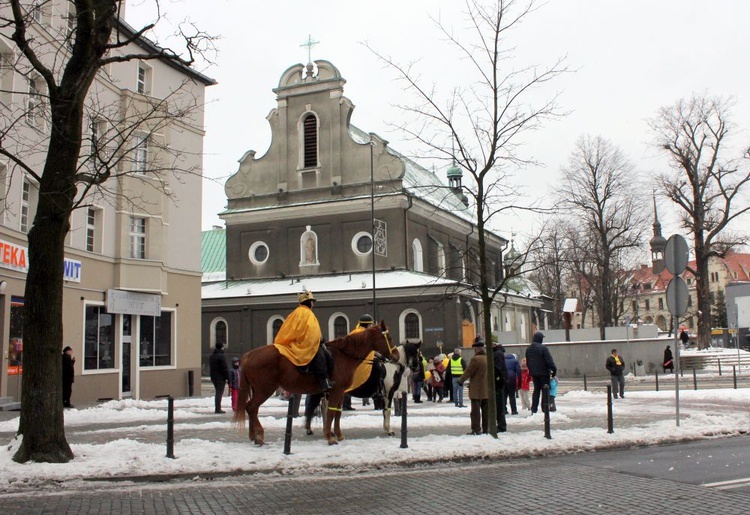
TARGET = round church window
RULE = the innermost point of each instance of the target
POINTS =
(362, 243)
(258, 253)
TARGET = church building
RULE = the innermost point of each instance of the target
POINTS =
(335, 210)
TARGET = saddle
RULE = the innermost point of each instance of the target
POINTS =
(323, 358)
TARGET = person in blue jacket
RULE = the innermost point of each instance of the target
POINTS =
(512, 382)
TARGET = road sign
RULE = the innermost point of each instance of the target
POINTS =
(677, 296)
(676, 254)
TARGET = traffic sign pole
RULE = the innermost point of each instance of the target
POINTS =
(676, 255)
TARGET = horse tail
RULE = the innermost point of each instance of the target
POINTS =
(243, 395)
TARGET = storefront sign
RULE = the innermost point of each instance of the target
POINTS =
(133, 303)
(16, 257)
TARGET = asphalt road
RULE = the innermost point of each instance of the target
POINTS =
(674, 479)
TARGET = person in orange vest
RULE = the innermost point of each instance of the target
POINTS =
(299, 340)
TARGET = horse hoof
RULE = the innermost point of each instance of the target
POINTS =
(259, 442)
(332, 442)
(308, 432)
(341, 438)
(391, 433)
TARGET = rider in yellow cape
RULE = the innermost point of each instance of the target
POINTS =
(299, 339)
(362, 373)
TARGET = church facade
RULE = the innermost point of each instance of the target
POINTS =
(335, 210)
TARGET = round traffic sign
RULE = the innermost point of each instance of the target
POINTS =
(677, 296)
(676, 254)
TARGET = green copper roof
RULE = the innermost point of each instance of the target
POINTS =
(213, 251)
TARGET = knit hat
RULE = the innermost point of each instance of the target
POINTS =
(538, 337)
(235, 359)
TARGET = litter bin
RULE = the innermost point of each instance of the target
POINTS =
(640, 370)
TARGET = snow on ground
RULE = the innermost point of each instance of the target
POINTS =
(125, 443)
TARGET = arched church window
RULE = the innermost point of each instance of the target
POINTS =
(412, 329)
(310, 141)
(218, 332)
(416, 250)
(340, 327)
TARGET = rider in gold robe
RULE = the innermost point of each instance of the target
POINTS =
(362, 372)
(299, 340)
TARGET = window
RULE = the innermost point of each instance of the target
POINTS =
(440, 260)
(362, 243)
(98, 141)
(635, 306)
(15, 342)
(310, 141)
(156, 340)
(140, 152)
(416, 250)
(272, 328)
(258, 253)
(35, 103)
(93, 229)
(137, 237)
(70, 24)
(99, 339)
(648, 305)
(661, 303)
(143, 83)
(411, 326)
(219, 332)
(6, 74)
(340, 327)
(25, 206)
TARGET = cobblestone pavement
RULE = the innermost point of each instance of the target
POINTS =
(549, 486)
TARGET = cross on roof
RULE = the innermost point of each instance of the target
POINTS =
(309, 44)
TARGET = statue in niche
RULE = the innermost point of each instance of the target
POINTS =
(309, 248)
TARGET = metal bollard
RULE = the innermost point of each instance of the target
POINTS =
(656, 376)
(288, 431)
(545, 409)
(170, 424)
(191, 383)
(695, 380)
(734, 375)
(404, 445)
(610, 418)
(585, 386)
(719, 362)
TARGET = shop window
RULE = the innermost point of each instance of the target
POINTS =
(99, 339)
(15, 333)
(156, 340)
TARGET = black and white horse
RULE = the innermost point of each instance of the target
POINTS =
(385, 382)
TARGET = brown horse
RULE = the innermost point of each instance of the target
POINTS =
(264, 369)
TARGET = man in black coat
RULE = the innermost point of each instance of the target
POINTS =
(616, 366)
(541, 367)
(68, 375)
(219, 374)
(501, 377)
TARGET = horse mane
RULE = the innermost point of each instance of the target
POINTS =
(411, 352)
(357, 343)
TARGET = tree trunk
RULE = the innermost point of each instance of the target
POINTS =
(42, 421)
(703, 295)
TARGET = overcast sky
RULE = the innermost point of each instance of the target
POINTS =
(631, 58)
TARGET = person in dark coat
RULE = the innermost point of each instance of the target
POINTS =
(616, 367)
(219, 374)
(68, 375)
(476, 374)
(668, 362)
(512, 382)
(541, 368)
(501, 378)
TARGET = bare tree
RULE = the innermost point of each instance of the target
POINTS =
(552, 273)
(599, 189)
(72, 173)
(478, 128)
(706, 186)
